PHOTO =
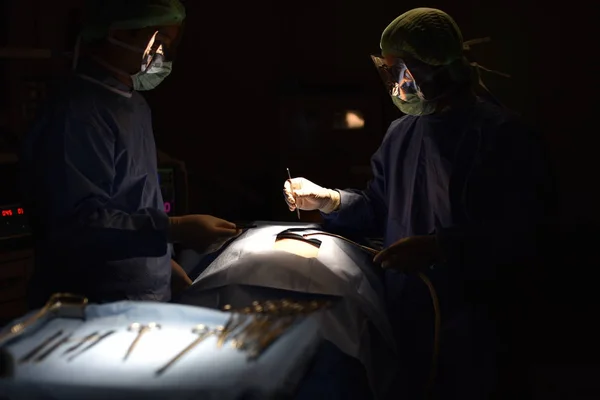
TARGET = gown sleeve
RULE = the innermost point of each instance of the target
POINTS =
(75, 176)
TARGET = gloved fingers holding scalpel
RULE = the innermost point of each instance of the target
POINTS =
(306, 195)
(408, 255)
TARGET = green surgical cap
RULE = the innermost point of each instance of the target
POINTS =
(427, 34)
(101, 15)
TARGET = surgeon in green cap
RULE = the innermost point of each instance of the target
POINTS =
(458, 192)
(90, 166)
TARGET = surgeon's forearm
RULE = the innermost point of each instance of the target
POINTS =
(115, 235)
(358, 211)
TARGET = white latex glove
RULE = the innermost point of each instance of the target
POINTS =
(305, 195)
(202, 233)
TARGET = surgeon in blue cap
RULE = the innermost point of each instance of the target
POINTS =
(90, 166)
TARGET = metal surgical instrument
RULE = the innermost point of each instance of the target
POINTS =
(202, 331)
(141, 330)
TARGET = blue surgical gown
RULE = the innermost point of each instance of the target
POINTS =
(91, 181)
(476, 177)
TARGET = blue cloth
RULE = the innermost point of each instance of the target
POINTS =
(91, 182)
(206, 372)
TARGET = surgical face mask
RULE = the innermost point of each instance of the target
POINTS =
(403, 89)
(154, 68)
(152, 77)
(414, 105)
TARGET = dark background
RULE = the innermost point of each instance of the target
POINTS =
(256, 86)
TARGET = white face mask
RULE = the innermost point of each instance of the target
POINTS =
(153, 67)
(152, 77)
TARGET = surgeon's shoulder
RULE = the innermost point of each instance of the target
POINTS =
(93, 101)
(68, 98)
(78, 94)
(501, 126)
(399, 128)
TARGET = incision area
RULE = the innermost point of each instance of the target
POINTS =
(297, 247)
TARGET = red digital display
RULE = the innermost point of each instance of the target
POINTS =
(9, 212)
(167, 207)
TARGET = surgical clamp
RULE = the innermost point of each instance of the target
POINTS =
(235, 321)
(141, 330)
(203, 332)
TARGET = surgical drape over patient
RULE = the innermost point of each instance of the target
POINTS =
(252, 264)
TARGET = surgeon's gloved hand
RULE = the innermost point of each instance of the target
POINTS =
(305, 195)
(202, 233)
